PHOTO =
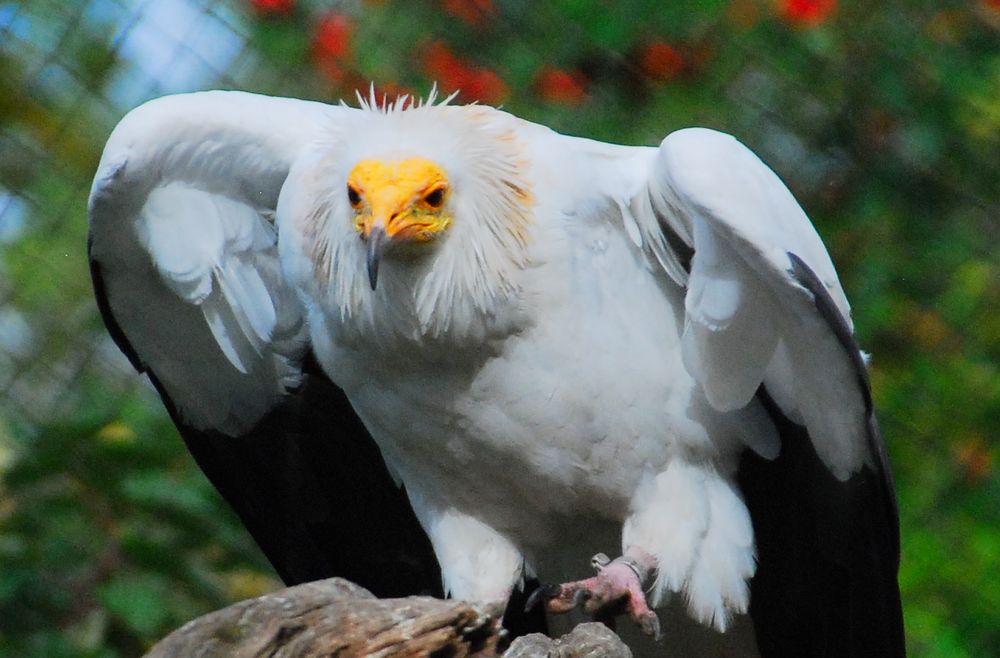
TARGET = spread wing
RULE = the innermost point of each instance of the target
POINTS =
(765, 318)
(185, 267)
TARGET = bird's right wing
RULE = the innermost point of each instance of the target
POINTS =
(183, 252)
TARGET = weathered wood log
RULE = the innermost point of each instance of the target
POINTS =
(336, 618)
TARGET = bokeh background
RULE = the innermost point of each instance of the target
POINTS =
(884, 118)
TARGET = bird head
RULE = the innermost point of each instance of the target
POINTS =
(398, 204)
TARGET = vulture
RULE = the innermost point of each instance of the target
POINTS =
(439, 349)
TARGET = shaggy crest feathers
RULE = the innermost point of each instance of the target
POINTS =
(461, 285)
(401, 103)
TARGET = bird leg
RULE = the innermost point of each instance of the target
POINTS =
(616, 589)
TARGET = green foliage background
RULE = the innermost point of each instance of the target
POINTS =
(884, 118)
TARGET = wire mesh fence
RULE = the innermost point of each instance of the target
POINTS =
(884, 120)
(70, 71)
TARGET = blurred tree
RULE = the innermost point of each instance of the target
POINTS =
(884, 119)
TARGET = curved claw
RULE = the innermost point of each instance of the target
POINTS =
(580, 597)
(546, 592)
(616, 589)
(649, 623)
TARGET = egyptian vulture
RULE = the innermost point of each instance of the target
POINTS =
(438, 348)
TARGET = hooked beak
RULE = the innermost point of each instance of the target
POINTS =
(378, 240)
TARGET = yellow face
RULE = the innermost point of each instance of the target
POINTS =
(407, 199)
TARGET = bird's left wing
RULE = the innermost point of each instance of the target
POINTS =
(184, 261)
(763, 304)
(766, 319)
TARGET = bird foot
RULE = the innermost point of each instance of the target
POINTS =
(615, 590)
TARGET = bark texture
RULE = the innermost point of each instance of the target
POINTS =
(336, 618)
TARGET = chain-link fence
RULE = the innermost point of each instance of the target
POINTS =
(70, 70)
(885, 120)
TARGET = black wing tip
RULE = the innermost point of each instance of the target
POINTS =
(312, 489)
(828, 310)
(827, 574)
(104, 308)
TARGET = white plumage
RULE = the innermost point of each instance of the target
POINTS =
(576, 359)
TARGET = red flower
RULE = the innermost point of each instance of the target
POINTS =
(333, 37)
(443, 65)
(273, 7)
(807, 13)
(561, 86)
(473, 12)
(452, 73)
(484, 85)
(661, 61)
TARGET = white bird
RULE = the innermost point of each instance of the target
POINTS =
(559, 347)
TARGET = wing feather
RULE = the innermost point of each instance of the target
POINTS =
(766, 322)
(181, 213)
(185, 268)
(743, 299)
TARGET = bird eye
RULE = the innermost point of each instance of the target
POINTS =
(435, 198)
(353, 196)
